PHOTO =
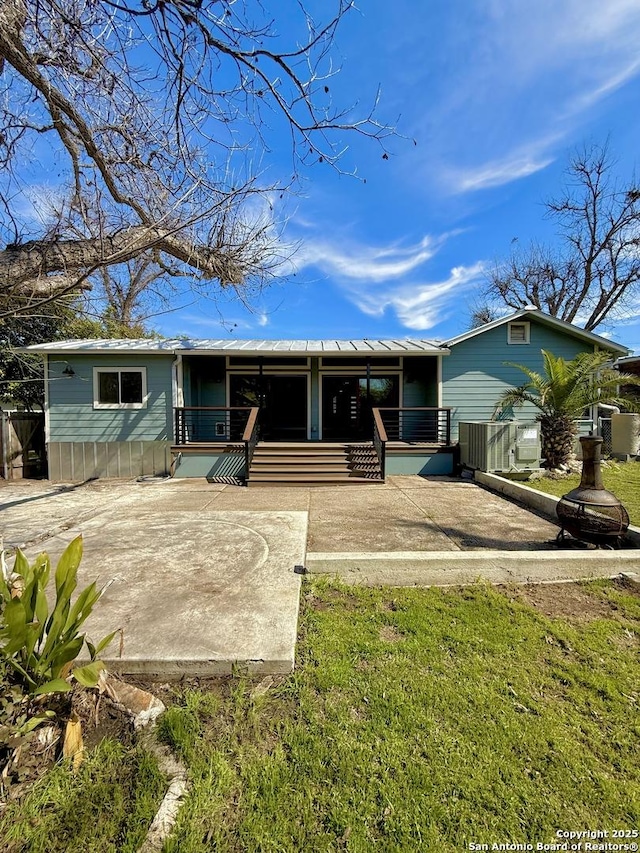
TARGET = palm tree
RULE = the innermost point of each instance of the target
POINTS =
(563, 393)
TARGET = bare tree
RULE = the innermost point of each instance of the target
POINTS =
(158, 113)
(595, 270)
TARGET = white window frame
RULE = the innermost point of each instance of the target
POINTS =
(96, 387)
(527, 333)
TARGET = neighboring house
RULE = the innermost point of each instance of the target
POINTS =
(199, 407)
(630, 364)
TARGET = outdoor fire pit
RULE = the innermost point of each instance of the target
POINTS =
(590, 513)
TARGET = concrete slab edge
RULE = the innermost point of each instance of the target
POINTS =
(546, 504)
(173, 670)
(453, 568)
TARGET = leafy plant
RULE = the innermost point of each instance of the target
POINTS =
(39, 644)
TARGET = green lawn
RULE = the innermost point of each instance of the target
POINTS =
(416, 720)
(621, 478)
(422, 720)
(106, 807)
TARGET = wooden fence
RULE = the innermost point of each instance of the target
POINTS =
(22, 445)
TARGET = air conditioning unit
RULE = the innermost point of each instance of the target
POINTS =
(500, 446)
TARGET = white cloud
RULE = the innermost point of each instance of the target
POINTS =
(39, 204)
(516, 165)
(419, 306)
(374, 278)
(366, 263)
(520, 79)
(617, 79)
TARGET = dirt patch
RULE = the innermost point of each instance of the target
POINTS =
(389, 634)
(627, 586)
(332, 598)
(25, 758)
(562, 601)
(101, 718)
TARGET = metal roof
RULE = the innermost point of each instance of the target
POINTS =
(248, 347)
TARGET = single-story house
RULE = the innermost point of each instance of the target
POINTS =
(238, 410)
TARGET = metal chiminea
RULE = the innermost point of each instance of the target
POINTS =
(590, 513)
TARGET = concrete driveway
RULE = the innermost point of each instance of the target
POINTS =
(201, 576)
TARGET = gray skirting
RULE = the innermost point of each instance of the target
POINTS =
(78, 461)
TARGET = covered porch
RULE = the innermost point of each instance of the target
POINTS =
(309, 390)
(339, 410)
(225, 444)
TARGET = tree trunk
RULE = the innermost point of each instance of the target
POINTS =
(558, 436)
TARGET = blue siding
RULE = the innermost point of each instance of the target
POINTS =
(224, 466)
(475, 375)
(71, 413)
(426, 464)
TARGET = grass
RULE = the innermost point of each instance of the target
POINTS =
(106, 807)
(621, 478)
(420, 720)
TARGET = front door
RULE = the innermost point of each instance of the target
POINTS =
(347, 402)
(282, 401)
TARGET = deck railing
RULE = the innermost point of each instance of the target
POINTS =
(380, 441)
(250, 439)
(213, 424)
(210, 424)
(420, 425)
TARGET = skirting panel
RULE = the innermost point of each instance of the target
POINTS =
(428, 464)
(86, 460)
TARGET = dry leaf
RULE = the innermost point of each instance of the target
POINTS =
(73, 746)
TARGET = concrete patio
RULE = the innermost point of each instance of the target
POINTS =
(202, 577)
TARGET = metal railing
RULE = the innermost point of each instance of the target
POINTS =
(210, 424)
(380, 441)
(420, 425)
(225, 424)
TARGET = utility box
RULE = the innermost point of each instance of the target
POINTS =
(506, 447)
(625, 435)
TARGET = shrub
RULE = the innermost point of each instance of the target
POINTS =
(42, 645)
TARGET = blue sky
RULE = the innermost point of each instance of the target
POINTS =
(496, 94)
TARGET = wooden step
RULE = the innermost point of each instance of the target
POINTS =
(306, 463)
(300, 457)
(302, 470)
(298, 451)
(291, 479)
(288, 464)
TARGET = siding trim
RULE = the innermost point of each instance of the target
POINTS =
(47, 428)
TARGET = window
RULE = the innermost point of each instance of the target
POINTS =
(119, 388)
(518, 333)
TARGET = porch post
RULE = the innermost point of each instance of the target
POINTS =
(261, 381)
(178, 383)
